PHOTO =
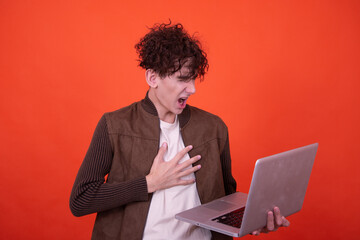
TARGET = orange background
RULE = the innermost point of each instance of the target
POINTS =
(282, 74)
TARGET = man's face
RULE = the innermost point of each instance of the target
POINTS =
(172, 93)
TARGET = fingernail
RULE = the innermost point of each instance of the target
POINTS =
(199, 166)
(198, 157)
(190, 146)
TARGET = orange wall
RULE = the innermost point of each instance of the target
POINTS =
(282, 74)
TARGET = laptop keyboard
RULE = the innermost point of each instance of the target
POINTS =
(233, 218)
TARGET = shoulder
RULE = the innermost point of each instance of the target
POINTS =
(204, 127)
(122, 112)
(121, 115)
(207, 118)
(206, 124)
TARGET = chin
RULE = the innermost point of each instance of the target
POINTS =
(178, 111)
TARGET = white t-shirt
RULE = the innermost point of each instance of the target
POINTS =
(161, 222)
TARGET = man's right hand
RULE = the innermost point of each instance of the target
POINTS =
(168, 174)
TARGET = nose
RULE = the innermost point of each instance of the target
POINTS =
(190, 88)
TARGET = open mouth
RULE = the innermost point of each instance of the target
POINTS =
(182, 102)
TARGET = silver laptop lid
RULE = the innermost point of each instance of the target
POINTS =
(285, 189)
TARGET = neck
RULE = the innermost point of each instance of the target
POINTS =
(165, 116)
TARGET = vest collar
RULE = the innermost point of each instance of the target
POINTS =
(149, 107)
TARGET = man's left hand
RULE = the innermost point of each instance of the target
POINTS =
(274, 221)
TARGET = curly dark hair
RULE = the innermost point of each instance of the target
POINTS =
(167, 48)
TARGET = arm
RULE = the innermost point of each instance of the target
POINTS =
(229, 181)
(90, 193)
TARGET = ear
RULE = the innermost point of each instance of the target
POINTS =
(151, 78)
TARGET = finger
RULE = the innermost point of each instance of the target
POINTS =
(189, 171)
(185, 182)
(278, 217)
(286, 222)
(189, 162)
(270, 221)
(256, 233)
(182, 153)
(162, 151)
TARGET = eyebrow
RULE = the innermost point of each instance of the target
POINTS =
(183, 77)
(187, 77)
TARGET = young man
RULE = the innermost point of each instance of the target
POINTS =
(161, 155)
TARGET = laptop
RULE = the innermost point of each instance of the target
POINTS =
(280, 180)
